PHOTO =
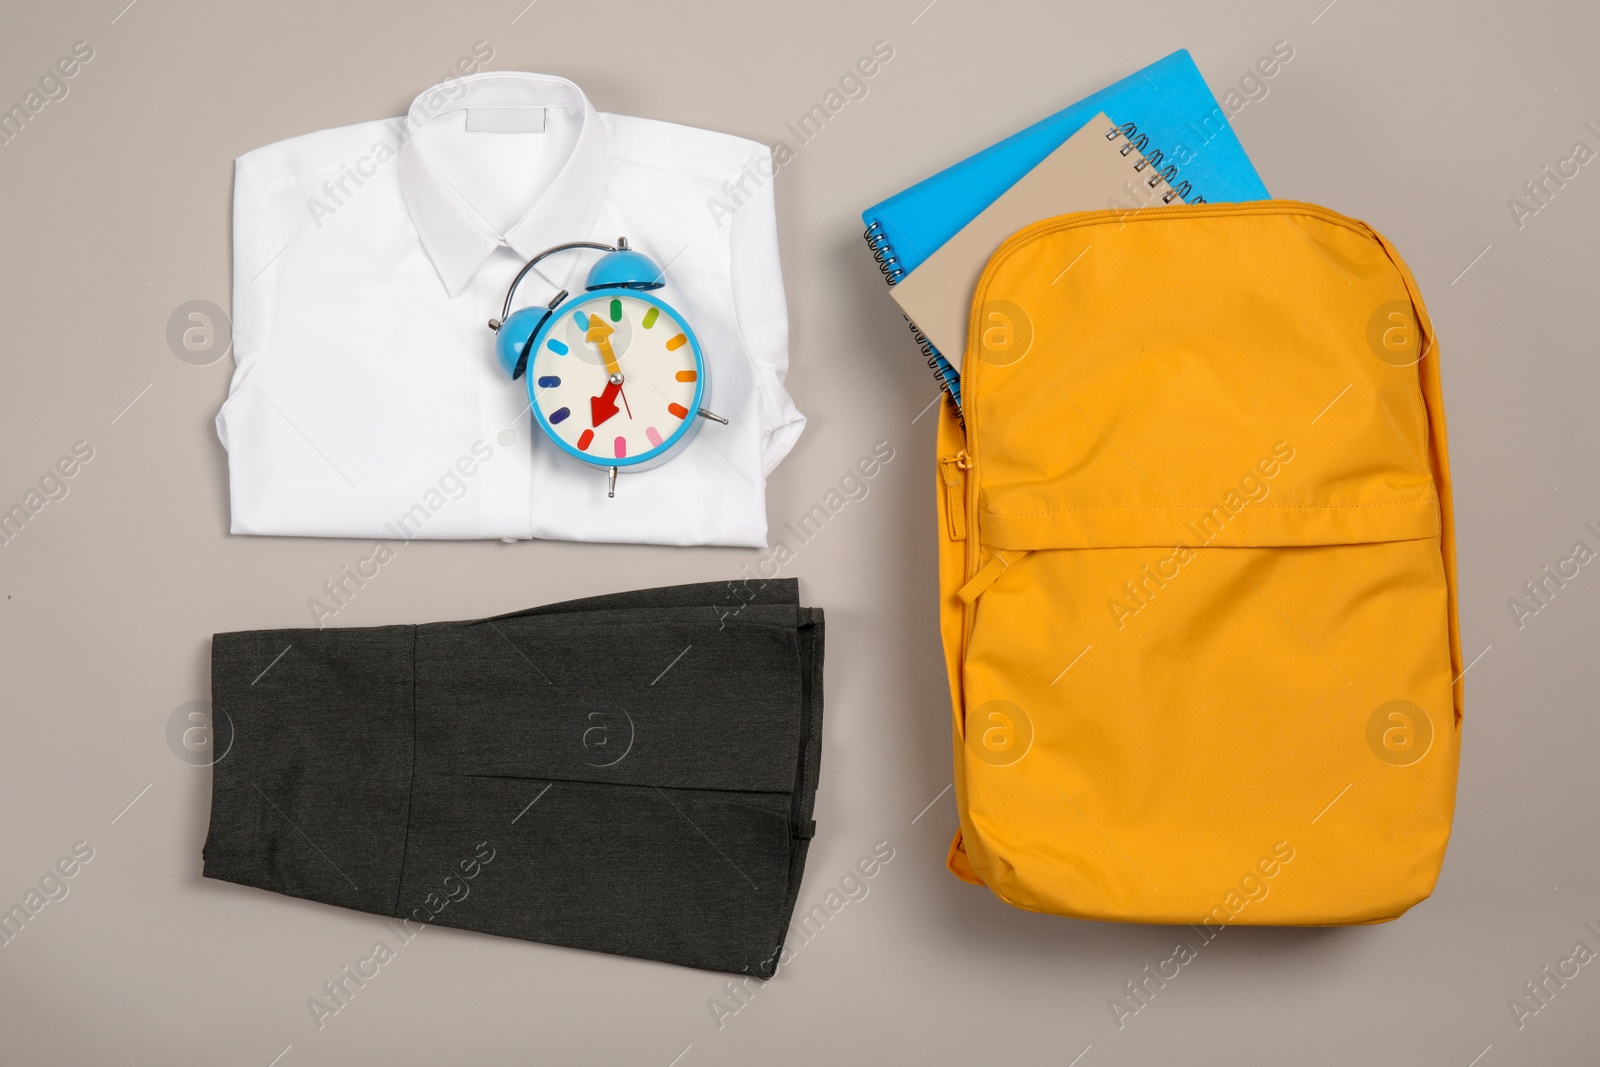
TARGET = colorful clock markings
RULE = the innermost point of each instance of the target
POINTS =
(557, 347)
(585, 439)
(550, 381)
(582, 320)
(622, 448)
(650, 317)
(654, 435)
(679, 410)
(677, 342)
(559, 415)
(686, 376)
(616, 310)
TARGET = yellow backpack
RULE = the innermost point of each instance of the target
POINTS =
(1197, 571)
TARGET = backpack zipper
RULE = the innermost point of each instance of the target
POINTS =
(955, 491)
(974, 552)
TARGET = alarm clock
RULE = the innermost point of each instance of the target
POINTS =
(615, 377)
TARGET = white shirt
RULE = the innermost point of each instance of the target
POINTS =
(367, 400)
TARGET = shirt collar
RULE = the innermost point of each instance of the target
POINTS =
(455, 238)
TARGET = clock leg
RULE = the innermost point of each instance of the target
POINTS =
(704, 414)
(611, 487)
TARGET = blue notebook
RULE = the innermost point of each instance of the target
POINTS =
(1168, 103)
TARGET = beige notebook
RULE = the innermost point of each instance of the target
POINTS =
(1089, 172)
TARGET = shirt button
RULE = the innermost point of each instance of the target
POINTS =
(507, 438)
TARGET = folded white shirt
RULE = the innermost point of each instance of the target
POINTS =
(367, 400)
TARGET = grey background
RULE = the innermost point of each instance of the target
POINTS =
(1421, 118)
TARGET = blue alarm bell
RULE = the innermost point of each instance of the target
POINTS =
(620, 268)
(625, 269)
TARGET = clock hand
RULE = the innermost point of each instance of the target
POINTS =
(604, 406)
(599, 335)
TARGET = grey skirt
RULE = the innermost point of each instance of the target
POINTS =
(632, 773)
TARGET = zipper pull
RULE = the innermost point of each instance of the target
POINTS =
(955, 490)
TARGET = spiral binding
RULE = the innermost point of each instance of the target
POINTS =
(1137, 142)
(948, 377)
(888, 262)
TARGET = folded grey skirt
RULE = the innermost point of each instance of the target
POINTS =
(632, 773)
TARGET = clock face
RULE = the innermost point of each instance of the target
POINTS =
(616, 378)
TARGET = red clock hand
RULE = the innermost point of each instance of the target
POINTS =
(604, 406)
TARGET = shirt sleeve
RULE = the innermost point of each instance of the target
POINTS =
(763, 313)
